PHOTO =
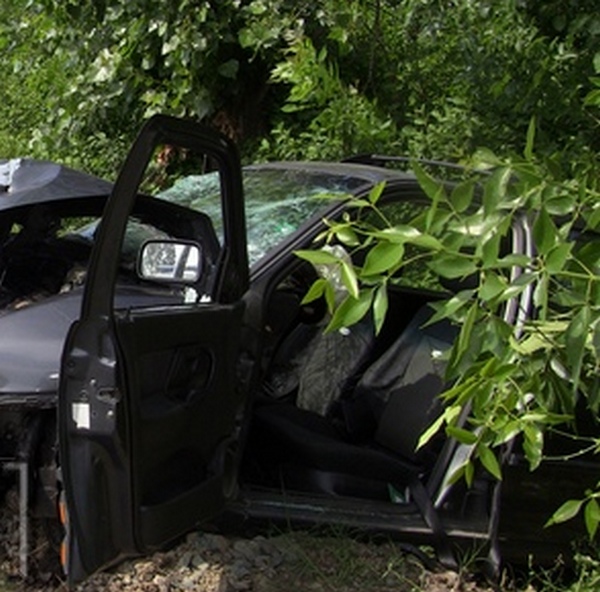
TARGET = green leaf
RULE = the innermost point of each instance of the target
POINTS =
(229, 69)
(492, 286)
(401, 233)
(346, 235)
(456, 474)
(517, 287)
(490, 250)
(384, 256)
(460, 393)
(513, 260)
(592, 218)
(533, 445)
(432, 188)
(540, 296)
(592, 98)
(484, 158)
(494, 189)
(427, 241)
(545, 234)
(349, 278)
(560, 205)
(489, 461)
(431, 431)
(330, 296)
(469, 473)
(376, 192)
(446, 308)
(461, 435)
(596, 341)
(432, 218)
(528, 152)
(533, 343)
(453, 266)
(315, 291)
(464, 337)
(507, 432)
(462, 195)
(380, 307)
(592, 517)
(575, 341)
(568, 510)
(257, 7)
(557, 257)
(318, 257)
(358, 203)
(350, 311)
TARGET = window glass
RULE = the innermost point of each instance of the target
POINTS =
(278, 201)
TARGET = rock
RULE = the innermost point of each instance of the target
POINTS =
(239, 575)
(246, 550)
(198, 563)
(213, 543)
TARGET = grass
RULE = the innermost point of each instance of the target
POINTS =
(338, 562)
(335, 560)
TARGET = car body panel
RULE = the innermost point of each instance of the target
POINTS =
(528, 500)
(34, 337)
(26, 181)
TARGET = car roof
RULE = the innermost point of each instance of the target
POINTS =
(26, 181)
(369, 173)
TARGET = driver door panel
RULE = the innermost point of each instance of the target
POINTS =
(181, 381)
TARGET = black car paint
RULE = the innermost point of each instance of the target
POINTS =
(33, 338)
(35, 182)
(102, 531)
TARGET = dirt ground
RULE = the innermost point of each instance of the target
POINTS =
(211, 562)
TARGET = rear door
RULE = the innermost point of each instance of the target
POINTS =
(151, 391)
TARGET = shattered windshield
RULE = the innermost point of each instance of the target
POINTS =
(277, 201)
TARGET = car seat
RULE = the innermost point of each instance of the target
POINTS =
(373, 433)
(368, 447)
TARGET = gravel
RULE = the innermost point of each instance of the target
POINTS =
(213, 562)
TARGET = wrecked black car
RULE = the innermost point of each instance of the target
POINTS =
(159, 367)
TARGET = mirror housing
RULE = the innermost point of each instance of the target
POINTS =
(170, 261)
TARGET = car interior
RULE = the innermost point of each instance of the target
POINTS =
(340, 413)
(46, 247)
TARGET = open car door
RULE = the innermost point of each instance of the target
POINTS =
(151, 392)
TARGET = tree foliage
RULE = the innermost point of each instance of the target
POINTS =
(301, 79)
(441, 79)
(118, 63)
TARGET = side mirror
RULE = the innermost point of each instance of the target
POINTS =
(170, 261)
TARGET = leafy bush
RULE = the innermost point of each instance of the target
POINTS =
(301, 79)
(337, 119)
(442, 81)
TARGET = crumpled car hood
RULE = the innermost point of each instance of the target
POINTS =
(33, 337)
(25, 181)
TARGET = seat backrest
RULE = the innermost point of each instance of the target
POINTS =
(402, 387)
